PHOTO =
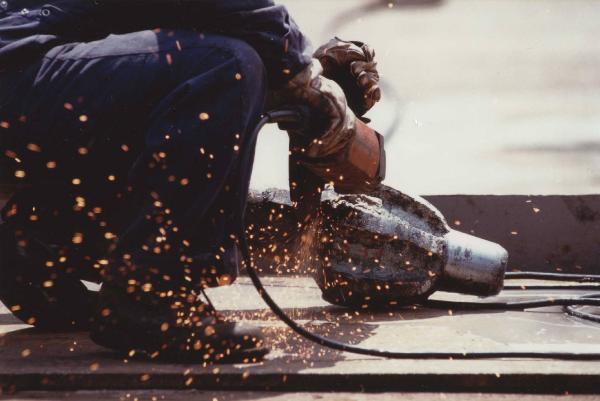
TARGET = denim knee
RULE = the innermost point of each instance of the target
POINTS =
(251, 69)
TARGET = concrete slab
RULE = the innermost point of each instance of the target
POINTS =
(32, 360)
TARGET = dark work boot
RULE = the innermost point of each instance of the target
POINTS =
(38, 293)
(171, 328)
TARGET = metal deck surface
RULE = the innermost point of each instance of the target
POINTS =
(31, 360)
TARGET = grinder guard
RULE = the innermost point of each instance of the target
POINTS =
(358, 168)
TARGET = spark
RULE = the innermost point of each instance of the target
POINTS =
(10, 154)
(77, 238)
(32, 147)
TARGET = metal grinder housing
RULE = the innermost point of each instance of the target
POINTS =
(358, 167)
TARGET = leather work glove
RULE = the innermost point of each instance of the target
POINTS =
(352, 65)
(333, 122)
(332, 128)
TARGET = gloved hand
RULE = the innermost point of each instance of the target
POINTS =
(352, 65)
(333, 124)
(331, 127)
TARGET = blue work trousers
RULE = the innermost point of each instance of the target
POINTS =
(133, 155)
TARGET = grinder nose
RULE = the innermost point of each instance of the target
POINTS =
(475, 266)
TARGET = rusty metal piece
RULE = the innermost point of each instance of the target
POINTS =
(390, 248)
(382, 249)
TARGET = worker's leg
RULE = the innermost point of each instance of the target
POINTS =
(179, 107)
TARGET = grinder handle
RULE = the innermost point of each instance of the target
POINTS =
(295, 118)
(298, 120)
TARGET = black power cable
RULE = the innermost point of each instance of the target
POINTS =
(567, 302)
(570, 309)
(585, 300)
(580, 278)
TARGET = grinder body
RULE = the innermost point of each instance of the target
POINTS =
(358, 167)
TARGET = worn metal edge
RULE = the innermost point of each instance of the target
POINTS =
(315, 382)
